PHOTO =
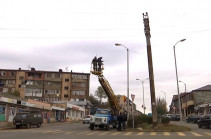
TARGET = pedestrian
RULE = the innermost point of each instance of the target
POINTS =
(124, 120)
(94, 62)
(119, 119)
(99, 62)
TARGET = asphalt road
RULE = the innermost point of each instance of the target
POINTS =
(80, 131)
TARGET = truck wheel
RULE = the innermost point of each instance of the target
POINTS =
(107, 127)
(18, 126)
(28, 125)
(199, 125)
(92, 126)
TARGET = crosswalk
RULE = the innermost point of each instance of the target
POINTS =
(110, 133)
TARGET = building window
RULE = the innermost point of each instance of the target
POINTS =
(3, 73)
(83, 85)
(19, 86)
(66, 88)
(57, 75)
(65, 95)
(66, 80)
(81, 99)
(12, 73)
(21, 78)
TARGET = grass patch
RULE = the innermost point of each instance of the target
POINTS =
(160, 128)
(164, 127)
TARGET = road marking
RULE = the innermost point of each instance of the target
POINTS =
(92, 133)
(166, 133)
(116, 133)
(84, 132)
(195, 134)
(140, 133)
(128, 133)
(207, 133)
(103, 133)
(47, 131)
(180, 134)
(58, 132)
(153, 133)
(70, 132)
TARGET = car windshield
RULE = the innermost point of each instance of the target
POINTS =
(21, 115)
(87, 116)
(102, 112)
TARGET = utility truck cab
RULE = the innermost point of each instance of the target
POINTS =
(102, 118)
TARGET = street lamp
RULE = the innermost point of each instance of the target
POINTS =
(180, 111)
(142, 81)
(184, 85)
(117, 44)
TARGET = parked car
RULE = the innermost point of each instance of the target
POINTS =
(175, 117)
(28, 119)
(86, 119)
(168, 115)
(205, 121)
(193, 118)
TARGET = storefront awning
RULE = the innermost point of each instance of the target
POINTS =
(57, 108)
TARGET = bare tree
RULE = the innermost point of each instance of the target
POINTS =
(100, 93)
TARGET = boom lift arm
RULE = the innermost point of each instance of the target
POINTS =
(96, 70)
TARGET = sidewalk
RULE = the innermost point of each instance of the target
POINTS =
(183, 123)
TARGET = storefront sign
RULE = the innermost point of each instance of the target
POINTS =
(57, 108)
(4, 99)
(24, 103)
(76, 108)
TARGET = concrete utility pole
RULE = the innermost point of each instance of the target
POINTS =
(150, 67)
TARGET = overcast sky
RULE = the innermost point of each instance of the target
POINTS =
(55, 34)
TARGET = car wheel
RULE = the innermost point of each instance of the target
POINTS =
(28, 125)
(209, 126)
(18, 126)
(92, 126)
(107, 127)
(199, 125)
(38, 125)
(83, 122)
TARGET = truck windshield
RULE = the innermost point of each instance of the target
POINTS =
(102, 112)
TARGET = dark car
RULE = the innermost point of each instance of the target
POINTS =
(175, 117)
(28, 119)
(193, 118)
(205, 121)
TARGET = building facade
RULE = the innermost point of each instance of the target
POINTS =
(45, 86)
(197, 101)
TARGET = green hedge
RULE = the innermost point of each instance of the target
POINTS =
(138, 120)
(165, 120)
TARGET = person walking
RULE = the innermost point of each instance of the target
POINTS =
(124, 120)
(119, 119)
(94, 62)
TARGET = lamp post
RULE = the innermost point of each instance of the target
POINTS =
(184, 85)
(117, 44)
(180, 111)
(142, 81)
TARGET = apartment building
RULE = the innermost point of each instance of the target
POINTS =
(45, 86)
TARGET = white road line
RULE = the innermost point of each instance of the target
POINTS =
(195, 134)
(116, 133)
(181, 134)
(166, 133)
(153, 133)
(208, 133)
(128, 133)
(140, 133)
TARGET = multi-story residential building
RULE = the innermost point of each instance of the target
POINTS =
(46, 86)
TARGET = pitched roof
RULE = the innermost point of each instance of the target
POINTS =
(204, 88)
